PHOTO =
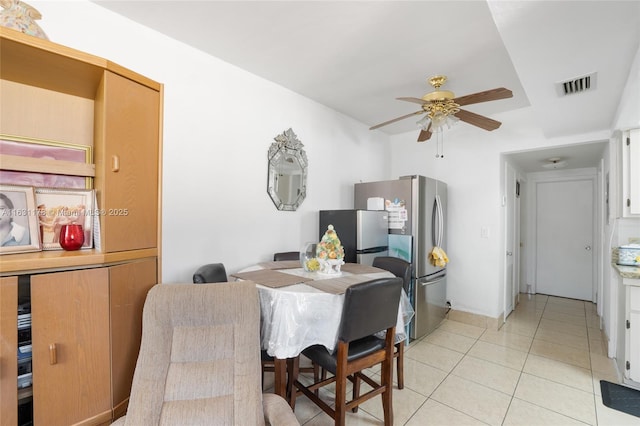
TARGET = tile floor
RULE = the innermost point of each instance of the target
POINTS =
(542, 367)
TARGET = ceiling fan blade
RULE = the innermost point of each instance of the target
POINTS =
(396, 119)
(487, 95)
(481, 121)
(424, 135)
(414, 100)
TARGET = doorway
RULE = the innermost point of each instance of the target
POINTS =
(565, 237)
(511, 271)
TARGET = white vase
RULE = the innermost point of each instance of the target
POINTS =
(307, 254)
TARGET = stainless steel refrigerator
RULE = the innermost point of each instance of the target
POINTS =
(363, 233)
(417, 208)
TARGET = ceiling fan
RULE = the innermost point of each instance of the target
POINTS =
(443, 108)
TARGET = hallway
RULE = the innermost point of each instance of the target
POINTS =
(542, 367)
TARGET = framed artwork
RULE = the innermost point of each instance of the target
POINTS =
(19, 230)
(44, 149)
(57, 207)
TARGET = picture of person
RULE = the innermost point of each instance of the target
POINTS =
(12, 232)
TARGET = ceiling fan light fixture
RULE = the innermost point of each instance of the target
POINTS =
(441, 114)
(424, 123)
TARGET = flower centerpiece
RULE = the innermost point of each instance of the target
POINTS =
(329, 252)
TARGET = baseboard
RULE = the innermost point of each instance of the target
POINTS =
(475, 319)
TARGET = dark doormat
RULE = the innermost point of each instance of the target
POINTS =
(620, 398)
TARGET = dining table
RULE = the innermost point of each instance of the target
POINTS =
(300, 308)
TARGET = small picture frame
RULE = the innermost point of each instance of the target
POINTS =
(19, 229)
(57, 207)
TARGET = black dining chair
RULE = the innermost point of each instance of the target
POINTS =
(369, 308)
(402, 269)
(210, 273)
(286, 255)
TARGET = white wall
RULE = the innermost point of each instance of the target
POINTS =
(219, 122)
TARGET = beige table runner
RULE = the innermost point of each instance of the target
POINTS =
(338, 285)
(357, 268)
(281, 264)
(270, 278)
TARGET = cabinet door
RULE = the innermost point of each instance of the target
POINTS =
(70, 337)
(127, 163)
(631, 173)
(633, 334)
(8, 351)
(634, 172)
(129, 284)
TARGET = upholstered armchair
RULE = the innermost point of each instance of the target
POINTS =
(199, 361)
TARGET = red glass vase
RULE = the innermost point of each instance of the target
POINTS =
(71, 237)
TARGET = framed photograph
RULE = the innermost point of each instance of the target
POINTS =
(57, 207)
(44, 149)
(19, 229)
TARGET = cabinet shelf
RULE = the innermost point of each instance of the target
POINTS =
(11, 264)
(40, 165)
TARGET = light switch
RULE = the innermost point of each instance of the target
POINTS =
(484, 232)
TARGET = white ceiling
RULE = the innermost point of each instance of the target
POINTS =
(356, 57)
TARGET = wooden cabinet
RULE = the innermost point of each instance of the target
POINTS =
(70, 338)
(631, 173)
(128, 287)
(8, 350)
(86, 305)
(127, 167)
(86, 335)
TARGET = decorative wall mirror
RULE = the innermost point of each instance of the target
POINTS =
(287, 179)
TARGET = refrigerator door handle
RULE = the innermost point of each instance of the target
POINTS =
(434, 219)
(437, 280)
(436, 235)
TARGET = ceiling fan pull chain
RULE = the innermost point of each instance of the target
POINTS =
(439, 145)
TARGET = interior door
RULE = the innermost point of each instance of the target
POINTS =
(564, 233)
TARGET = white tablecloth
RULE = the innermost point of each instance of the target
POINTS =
(298, 316)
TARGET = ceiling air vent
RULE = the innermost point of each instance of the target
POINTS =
(577, 85)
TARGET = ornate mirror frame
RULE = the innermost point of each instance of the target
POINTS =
(287, 171)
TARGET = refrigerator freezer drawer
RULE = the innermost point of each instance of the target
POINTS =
(430, 304)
